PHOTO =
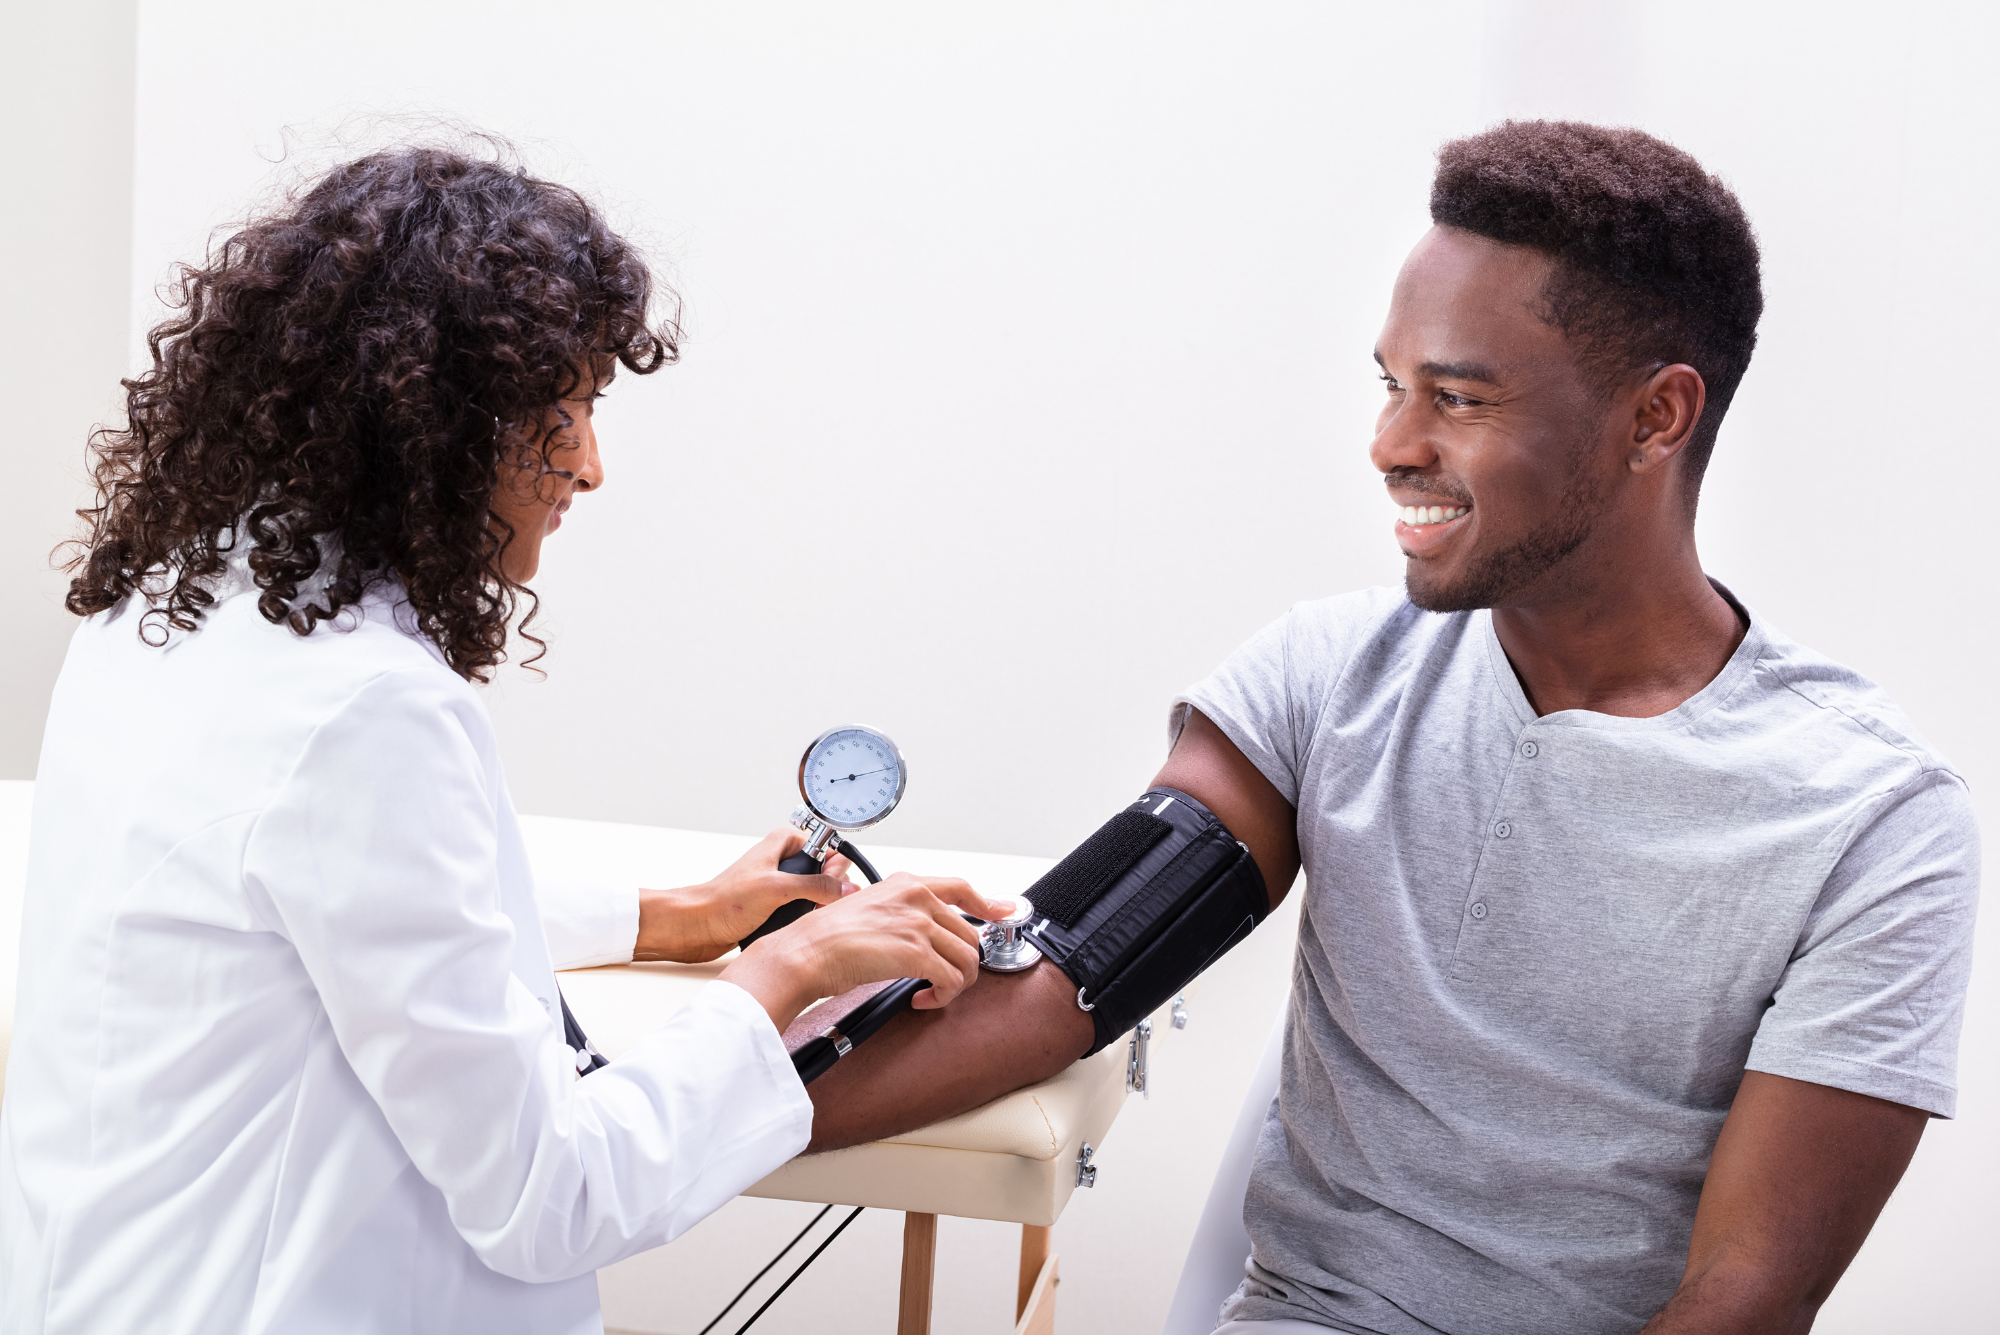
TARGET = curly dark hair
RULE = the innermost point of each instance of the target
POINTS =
(340, 385)
(1655, 260)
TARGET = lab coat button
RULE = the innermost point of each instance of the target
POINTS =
(1530, 750)
(1503, 830)
(1479, 911)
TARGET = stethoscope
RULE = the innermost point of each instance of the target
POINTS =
(850, 777)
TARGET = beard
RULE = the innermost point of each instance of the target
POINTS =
(1492, 578)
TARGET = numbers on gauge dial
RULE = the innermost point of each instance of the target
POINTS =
(851, 777)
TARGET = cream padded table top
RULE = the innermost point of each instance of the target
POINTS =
(1013, 1159)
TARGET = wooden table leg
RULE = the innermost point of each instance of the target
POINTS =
(913, 1312)
(1039, 1317)
(1034, 1251)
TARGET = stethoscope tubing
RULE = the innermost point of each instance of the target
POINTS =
(821, 1054)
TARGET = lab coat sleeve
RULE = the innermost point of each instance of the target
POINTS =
(589, 921)
(380, 861)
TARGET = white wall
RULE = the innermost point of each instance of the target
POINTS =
(1005, 322)
(66, 233)
(1028, 374)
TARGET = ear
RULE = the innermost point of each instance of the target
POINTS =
(1666, 408)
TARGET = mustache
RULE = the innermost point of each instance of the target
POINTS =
(1429, 486)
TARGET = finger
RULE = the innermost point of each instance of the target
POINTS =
(789, 840)
(943, 991)
(933, 960)
(960, 894)
(840, 868)
(819, 889)
(959, 956)
(944, 915)
(937, 995)
(948, 918)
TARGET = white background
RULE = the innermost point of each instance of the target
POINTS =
(1027, 374)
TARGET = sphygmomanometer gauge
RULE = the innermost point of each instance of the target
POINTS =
(851, 777)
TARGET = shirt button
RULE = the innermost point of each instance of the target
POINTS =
(1479, 910)
(1530, 750)
(1503, 830)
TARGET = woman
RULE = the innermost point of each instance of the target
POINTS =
(289, 1052)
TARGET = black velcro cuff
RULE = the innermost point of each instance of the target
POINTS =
(1080, 880)
(1158, 894)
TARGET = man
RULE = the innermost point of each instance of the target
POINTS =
(1636, 935)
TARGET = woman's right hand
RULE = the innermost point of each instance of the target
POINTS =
(905, 927)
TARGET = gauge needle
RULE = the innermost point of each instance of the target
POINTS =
(849, 778)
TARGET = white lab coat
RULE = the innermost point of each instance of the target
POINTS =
(287, 1054)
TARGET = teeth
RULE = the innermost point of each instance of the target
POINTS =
(1430, 514)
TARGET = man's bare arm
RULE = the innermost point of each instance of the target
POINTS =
(1797, 1178)
(1012, 1030)
(1206, 766)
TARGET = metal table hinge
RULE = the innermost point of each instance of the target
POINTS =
(1180, 1011)
(1086, 1171)
(1135, 1060)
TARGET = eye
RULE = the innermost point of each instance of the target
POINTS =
(1390, 381)
(1454, 400)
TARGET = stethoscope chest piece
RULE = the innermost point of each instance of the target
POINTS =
(1004, 946)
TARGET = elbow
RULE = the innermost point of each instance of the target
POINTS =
(524, 1260)
(1742, 1298)
(549, 1247)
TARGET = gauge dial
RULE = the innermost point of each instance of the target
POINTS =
(851, 777)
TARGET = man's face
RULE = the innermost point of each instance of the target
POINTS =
(1494, 440)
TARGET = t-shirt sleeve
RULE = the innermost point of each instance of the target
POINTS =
(1249, 698)
(1266, 696)
(1873, 997)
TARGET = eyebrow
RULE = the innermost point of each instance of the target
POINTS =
(1484, 375)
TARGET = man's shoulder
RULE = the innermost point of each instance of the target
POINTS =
(1377, 629)
(1848, 710)
(1357, 608)
(1845, 699)
(1363, 616)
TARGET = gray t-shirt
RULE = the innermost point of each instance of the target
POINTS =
(1537, 954)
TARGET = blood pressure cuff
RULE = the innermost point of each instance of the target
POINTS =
(1158, 894)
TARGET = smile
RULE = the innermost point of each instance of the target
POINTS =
(1414, 515)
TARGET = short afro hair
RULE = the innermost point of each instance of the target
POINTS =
(1655, 261)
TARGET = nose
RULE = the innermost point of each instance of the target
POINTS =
(591, 475)
(1400, 438)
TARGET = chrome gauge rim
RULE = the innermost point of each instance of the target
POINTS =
(840, 823)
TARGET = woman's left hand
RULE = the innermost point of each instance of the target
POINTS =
(698, 923)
